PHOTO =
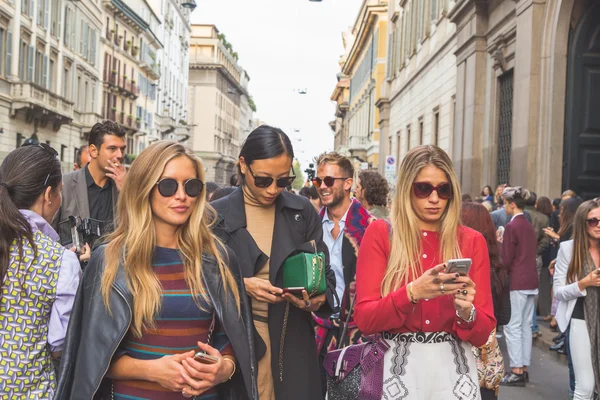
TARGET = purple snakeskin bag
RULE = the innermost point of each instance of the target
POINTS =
(356, 372)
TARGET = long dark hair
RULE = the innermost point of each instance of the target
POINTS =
(24, 175)
(265, 142)
(476, 216)
(568, 208)
(544, 205)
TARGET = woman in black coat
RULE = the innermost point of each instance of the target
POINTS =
(264, 225)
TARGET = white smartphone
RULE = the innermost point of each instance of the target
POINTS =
(461, 266)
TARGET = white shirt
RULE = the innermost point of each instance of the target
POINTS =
(335, 251)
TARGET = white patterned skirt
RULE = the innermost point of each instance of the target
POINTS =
(429, 366)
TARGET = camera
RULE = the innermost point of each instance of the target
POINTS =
(310, 171)
(76, 231)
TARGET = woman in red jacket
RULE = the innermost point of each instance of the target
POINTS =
(403, 291)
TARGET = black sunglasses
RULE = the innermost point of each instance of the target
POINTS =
(329, 181)
(168, 187)
(592, 222)
(47, 148)
(424, 189)
(264, 182)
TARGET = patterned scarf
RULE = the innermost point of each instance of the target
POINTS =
(357, 221)
(591, 306)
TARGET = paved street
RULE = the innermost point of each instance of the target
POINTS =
(549, 379)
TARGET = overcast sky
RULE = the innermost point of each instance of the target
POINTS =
(286, 45)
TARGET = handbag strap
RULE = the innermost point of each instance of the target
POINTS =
(342, 340)
(314, 245)
(211, 329)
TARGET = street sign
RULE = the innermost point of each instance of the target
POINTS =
(390, 169)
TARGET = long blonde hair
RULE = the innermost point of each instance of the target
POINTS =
(132, 243)
(404, 262)
(581, 242)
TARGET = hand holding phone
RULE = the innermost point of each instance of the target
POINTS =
(205, 358)
(296, 291)
(460, 266)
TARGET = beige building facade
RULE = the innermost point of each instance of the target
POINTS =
(509, 88)
(216, 89)
(418, 101)
(364, 68)
(527, 95)
(49, 74)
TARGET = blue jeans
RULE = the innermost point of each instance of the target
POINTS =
(534, 324)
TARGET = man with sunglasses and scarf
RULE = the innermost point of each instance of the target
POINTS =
(92, 191)
(344, 223)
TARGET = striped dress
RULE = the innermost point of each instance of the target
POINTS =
(179, 326)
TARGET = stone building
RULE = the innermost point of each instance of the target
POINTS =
(418, 94)
(216, 90)
(49, 73)
(365, 69)
(508, 87)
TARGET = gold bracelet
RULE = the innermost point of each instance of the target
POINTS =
(233, 363)
(410, 294)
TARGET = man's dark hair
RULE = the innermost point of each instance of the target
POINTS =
(211, 187)
(466, 198)
(234, 180)
(305, 192)
(532, 199)
(556, 203)
(101, 129)
(79, 154)
(375, 188)
(314, 193)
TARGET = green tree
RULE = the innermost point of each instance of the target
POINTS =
(299, 181)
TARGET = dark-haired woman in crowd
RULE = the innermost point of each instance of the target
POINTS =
(487, 194)
(160, 297)
(568, 208)
(264, 225)
(477, 217)
(39, 278)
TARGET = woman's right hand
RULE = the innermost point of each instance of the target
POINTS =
(591, 280)
(168, 372)
(86, 253)
(262, 290)
(550, 232)
(430, 284)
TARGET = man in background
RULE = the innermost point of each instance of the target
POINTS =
(92, 191)
(82, 157)
(372, 191)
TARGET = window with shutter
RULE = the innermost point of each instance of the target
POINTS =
(86, 40)
(8, 66)
(93, 42)
(94, 84)
(51, 76)
(73, 29)
(46, 13)
(67, 26)
(45, 72)
(30, 61)
(2, 38)
(58, 18)
(81, 36)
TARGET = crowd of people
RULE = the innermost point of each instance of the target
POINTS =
(181, 293)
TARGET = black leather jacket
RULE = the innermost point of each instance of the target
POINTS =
(94, 336)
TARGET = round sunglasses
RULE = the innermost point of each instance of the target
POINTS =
(264, 182)
(424, 189)
(592, 222)
(168, 187)
(329, 180)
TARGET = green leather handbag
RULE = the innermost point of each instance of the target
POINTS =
(306, 270)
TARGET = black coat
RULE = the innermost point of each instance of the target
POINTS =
(94, 335)
(296, 225)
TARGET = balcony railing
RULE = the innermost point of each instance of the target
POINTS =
(358, 142)
(25, 94)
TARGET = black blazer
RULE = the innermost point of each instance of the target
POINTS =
(296, 225)
(94, 335)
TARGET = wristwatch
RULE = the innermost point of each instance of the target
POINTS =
(471, 315)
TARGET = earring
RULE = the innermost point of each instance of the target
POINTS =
(49, 203)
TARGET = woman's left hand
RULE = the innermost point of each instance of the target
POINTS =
(463, 298)
(202, 377)
(306, 303)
